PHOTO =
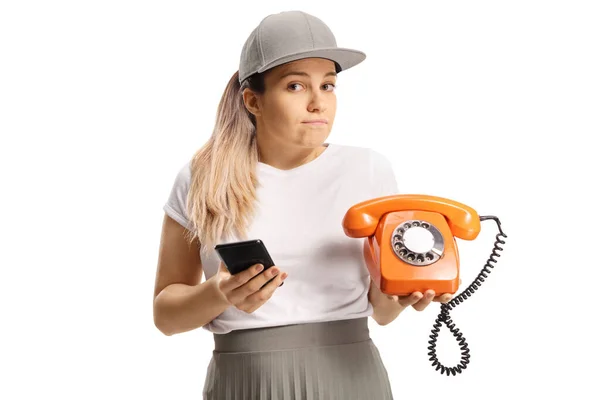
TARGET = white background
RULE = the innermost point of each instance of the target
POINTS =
(494, 104)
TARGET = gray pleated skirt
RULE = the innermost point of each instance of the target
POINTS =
(317, 361)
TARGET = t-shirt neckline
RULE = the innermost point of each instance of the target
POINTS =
(304, 167)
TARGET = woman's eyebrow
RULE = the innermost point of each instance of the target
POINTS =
(300, 73)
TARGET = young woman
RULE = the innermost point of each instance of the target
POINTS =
(268, 173)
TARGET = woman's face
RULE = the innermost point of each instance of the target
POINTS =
(299, 104)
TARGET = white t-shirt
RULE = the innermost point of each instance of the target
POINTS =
(299, 218)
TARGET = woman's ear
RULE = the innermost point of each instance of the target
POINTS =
(251, 102)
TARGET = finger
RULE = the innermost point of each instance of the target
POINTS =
(407, 301)
(261, 296)
(254, 284)
(446, 297)
(223, 268)
(424, 302)
(236, 280)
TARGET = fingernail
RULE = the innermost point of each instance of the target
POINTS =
(259, 267)
(285, 275)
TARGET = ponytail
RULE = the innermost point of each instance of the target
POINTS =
(223, 182)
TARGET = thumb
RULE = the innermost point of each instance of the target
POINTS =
(223, 269)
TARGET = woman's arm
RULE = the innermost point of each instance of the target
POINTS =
(181, 302)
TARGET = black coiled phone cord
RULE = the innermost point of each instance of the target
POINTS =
(444, 316)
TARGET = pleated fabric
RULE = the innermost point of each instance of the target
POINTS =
(321, 361)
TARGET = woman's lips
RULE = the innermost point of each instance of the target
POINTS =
(315, 122)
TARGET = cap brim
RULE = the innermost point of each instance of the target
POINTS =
(346, 58)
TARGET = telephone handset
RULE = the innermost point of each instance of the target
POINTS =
(410, 246)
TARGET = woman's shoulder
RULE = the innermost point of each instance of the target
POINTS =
(176, 203)
(183, 174)
(181, 177)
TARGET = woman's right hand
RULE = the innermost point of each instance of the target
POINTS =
(245, 290)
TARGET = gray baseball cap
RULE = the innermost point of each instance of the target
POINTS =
(289, 36)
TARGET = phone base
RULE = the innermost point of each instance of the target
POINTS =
(394, 276)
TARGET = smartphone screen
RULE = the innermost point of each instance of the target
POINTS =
(239, 256)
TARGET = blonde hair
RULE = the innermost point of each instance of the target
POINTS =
(222, 192)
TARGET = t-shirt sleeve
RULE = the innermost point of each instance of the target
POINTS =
(384, 177)
(176, 205)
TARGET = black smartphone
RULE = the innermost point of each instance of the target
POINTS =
(239, 256)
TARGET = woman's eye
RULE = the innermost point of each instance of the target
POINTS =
(292, 86)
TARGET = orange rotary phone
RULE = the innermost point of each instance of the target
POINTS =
(410, 246)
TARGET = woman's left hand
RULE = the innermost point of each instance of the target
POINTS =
(419, 301)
